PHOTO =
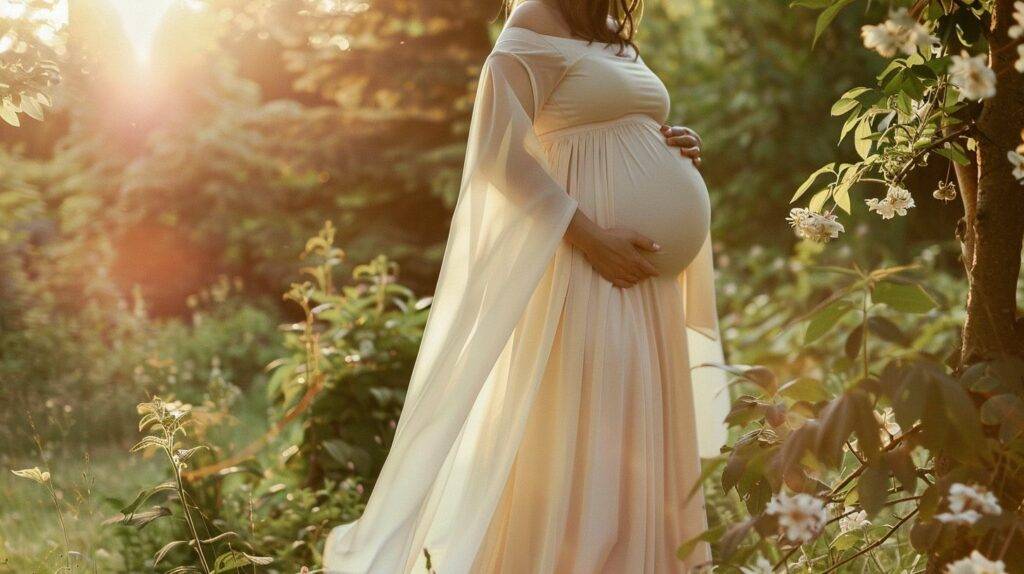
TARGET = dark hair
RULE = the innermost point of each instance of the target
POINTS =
(588, 19)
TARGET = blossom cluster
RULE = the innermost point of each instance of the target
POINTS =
(900, 33)
(820, 227)
(801, 517)
(896, 202)
(968, 503)
(976, 563)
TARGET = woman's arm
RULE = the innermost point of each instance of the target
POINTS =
(616, 254)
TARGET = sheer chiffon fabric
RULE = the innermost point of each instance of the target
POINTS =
(553, 422)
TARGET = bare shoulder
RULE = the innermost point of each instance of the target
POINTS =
(538, 17)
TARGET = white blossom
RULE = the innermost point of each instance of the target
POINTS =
(1019, 64)
(900, 199)
(882, 38)
(813, 225)
(853, 522)
(945, 192)
(881, 207)
(887, 419)
(762, 566)
(1017, 161)
(976, 563)
(967, 504)
(896, 202)
(915, 36)
(972, 76)
(801, 516)
(1017, 30)
(900, 33)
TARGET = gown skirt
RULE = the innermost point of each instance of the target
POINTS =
(604, 480)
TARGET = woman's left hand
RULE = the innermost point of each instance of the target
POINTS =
(687, 140)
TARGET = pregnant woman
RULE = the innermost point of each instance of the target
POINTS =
(554, 422)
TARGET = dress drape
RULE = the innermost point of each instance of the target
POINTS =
(538, 384)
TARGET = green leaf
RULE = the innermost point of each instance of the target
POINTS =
(804, 389)
(862, 138)
(865, 424)
(796, 445)
(150, 442)
(829, 168)
(814, 4)
(31, 107)
(913, 87)
(759, 375)
(954, 153)
(841, 195)
(908, 298)
(844, 106)
(145, 495)
(965, 433)
(887, 331)
(854, 93)
(824, 320)
(710, 536)
(140, 519)
(234, 559)
(827, 16)
(1007, 411)
(902, 467)
(872, 488)
(162, 553)
(854, 342)
(851, 122)
(9, 113)
(846, 540)
(819, 199)
(33, 474)
(185, 570)
(837, 420)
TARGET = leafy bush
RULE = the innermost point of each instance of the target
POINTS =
(350, 363)
(857, 412)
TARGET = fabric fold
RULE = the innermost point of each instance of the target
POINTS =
(509, 220)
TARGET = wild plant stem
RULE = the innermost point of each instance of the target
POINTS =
(184, 503)
(53, 495)
(63, 527)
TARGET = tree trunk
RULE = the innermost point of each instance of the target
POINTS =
(992, 229)
(998, 222)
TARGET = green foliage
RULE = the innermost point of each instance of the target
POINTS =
(741, 73)
(858, 410)
(167, 425)
(350, 363)
(913, 112)
(29, 44)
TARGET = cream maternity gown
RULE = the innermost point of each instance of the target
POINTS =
(553, 423)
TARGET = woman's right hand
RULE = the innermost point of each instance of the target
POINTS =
(616, 254)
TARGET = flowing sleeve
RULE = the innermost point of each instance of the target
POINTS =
(710, 389)
(511, 213)
(509, 220)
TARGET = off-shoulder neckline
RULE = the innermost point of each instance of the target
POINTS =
(552, 35)
(602, 45)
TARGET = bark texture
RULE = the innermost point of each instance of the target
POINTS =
(994, 236)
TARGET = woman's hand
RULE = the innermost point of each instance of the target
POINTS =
(616, 254)
(687, 140)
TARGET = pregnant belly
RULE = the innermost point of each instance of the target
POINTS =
(661, 195)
